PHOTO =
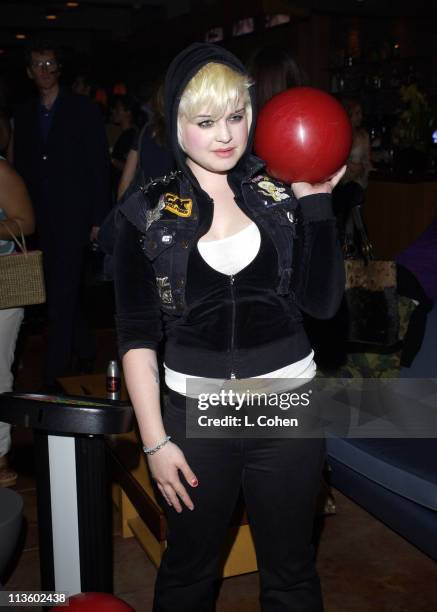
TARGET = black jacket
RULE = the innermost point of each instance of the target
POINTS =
(217, 325)
(67, 176)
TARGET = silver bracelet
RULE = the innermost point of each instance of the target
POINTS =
(153, 449)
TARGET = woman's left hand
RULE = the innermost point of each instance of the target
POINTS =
(303, 189)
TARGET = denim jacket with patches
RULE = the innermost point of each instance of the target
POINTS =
(217, 325)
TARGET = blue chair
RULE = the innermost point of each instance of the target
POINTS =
(395, 479)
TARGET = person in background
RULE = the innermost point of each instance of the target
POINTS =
(16, 215)
(330, 337)
(350, 192)
(5, 132)
(60, 150)
(84, 85)
(274, 69)
(5, 124)
(204, 262)
(359, 163)
(154, 157)
(123, 114)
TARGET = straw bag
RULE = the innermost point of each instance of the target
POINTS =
(371, 291)
(21, 275)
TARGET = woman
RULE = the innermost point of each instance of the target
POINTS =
(148, 150)
(15, 214)
(5, 123)
(123, 114)
(358, 163)
(349, 196)
(208, 252)
(273, 69)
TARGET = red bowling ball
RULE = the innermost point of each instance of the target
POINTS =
(303, 134)
(96, 602)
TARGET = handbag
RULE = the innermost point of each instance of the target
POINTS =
(21, 275)
(371, 291)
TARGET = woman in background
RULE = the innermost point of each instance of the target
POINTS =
(358, 163)
(16, 215)
(123, 114)
(5, 122)
(274, 69)
(350, 194)
(149, 149)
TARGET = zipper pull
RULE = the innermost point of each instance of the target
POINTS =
(233, 377)
(231, 279)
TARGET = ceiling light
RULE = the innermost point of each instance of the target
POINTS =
(72, 4)
(51, 17)
(20, 36)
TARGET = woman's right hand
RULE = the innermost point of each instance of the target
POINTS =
(164, 466)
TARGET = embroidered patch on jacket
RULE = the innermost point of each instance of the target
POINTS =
(182, 207)
(267, 188)
(164, 289)
(154, 214)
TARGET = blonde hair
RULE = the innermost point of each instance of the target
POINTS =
(215, 87)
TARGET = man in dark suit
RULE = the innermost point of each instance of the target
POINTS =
(60, 150)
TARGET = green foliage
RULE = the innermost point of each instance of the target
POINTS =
(416, 120)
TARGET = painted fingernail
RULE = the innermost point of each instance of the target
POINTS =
(194, 482)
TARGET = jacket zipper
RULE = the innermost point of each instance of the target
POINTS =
(231, 282)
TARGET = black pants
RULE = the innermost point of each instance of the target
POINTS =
(68, 330)
(280, 479)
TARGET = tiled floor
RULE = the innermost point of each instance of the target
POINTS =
(364, 566)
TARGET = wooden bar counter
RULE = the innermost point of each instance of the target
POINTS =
(397, 210)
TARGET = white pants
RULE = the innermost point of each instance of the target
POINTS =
(10, 321)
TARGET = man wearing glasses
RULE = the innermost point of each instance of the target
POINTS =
(60, 150)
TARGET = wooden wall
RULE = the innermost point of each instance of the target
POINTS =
(397, 213)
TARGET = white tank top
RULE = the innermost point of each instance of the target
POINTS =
(230, 255)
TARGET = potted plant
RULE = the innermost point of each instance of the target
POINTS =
(412, 134)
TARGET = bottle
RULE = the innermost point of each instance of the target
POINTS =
(334, 83)
(113, 381)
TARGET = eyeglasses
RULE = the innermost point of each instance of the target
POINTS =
(49, 65)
